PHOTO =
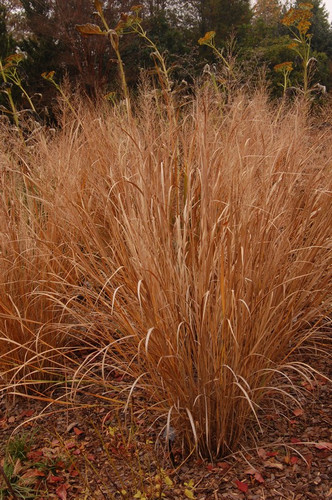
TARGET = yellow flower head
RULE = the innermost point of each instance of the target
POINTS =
(299, 17)
(303, 26)
(136, 8)
(48, 75)
(14, 58)
(285, 67)
(290, 17)
(306, 6)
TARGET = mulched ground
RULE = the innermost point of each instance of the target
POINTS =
(88, 453)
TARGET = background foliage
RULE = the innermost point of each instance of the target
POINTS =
(45, 31)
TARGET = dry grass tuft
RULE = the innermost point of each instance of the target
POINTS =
(193, 256)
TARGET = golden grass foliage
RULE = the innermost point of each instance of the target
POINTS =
(192, 255)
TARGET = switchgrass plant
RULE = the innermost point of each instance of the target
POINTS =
(191, 257)
(31, 255)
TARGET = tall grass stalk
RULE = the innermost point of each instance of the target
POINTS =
(31, 261)
(197, 287)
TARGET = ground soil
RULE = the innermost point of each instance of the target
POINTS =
(87, 451)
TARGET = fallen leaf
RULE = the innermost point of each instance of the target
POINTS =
(272, 416)
(168, 481)
(242, 486)
(259, 478)
(50, 452)
(262, 453)
(323, 454)
(293, 460)
(189, 494)
(11, 420)
(35, 454)
(323, 446)
(273, 465)
(308, 459)
(61, 491)
(27, 413)
(251, 472)
(271, 453)
(32, 473)
(54, 479)
(223, 465)
(60, 464)
(78, 431)
(3, 423)
(257, 475)
(71, 426)
(295, 440)
(70, 444)
(298, 412)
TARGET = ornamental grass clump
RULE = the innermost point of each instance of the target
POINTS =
(195, 255)
(32, 324)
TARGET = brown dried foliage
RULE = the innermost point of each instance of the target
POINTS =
(193, 257)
